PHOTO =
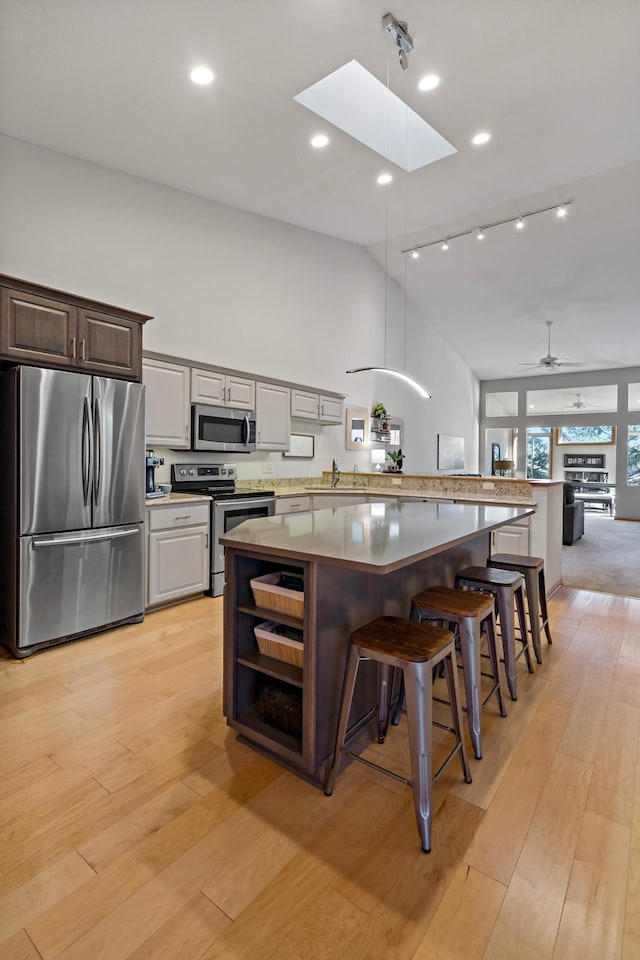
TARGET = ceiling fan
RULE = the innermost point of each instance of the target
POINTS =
(550, 362)
(577, 404)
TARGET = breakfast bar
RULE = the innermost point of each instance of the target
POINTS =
(351, 565)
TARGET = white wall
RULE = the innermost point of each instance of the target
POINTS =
(235, 289)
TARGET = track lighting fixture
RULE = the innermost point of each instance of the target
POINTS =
(560, 209)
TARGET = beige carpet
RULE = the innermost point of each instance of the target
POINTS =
(606, 559)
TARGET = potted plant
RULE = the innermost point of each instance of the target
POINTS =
(379, 412)
(397, 456)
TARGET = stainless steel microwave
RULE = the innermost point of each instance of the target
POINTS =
(223, 429)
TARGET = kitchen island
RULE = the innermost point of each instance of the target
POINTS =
(354, 563)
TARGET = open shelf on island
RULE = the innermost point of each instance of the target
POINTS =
(288, 672)
(265, 614)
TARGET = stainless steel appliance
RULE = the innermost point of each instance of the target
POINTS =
(72, 494)
(151, 464)
(222, 429)
(228, 508)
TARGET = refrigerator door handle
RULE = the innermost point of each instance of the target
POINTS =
(86, 452)
(97, 455)
(63, 541)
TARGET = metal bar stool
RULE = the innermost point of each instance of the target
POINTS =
(414, 648)
(470, 612)
(506, 586)
(532, 569)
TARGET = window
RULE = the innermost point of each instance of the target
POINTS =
(539, 453)
(633, 456)
(587, 435)
(501, 404)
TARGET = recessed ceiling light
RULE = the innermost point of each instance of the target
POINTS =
(201, 75)
(320, 140)
(430, 82)
(481, 138)
(384, 178)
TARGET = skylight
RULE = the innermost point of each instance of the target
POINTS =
(353, 100)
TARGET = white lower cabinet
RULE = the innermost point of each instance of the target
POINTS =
(177, 552)
(323, 500)
(513, 538)
(292, 505)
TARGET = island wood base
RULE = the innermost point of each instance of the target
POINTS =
(337, 600)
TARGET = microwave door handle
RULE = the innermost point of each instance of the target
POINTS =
(245, 430)
(86, 452)
(97, 456)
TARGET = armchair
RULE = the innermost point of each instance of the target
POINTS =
(572, 516)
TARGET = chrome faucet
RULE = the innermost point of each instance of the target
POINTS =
(335, 474)
(355, 474)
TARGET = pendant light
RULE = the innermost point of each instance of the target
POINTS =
(390, 371)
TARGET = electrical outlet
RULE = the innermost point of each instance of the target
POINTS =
(396, 482)
(488, 485)
(267, 468)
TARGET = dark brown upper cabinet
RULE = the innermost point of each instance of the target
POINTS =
(49, 328)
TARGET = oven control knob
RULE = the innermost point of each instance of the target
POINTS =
(224, 471)
(183, 473)
(192, 473)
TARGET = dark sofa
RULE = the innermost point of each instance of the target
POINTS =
(572, 516)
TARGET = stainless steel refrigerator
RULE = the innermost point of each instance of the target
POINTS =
(71, 505)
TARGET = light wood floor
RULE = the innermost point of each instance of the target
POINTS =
(133, 825)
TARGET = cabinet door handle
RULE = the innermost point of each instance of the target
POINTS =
(73, 348)
(186, 517)
(206, 541)
(82, 347)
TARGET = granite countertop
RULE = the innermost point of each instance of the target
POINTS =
(378, 537)
(394, 491)
(176, 498)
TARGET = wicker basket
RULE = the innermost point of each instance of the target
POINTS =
(268, 595)
(278, 646)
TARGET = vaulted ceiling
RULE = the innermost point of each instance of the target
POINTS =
(555, 82)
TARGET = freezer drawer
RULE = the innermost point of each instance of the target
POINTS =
(78, 582)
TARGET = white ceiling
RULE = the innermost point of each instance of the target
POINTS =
(555, 81)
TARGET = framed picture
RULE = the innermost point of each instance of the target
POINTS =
(301, 445)
(450, 452)
(592, 435)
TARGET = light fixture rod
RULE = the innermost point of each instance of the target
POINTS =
(485, 226)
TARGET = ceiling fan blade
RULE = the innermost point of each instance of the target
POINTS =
(570, 363)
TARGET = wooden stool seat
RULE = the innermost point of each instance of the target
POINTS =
(532, 569)
(507, 587)
(416, 648)
(516, 560)
(407, 640)
(462, 603)
(469, 612)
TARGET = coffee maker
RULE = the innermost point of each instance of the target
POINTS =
(152, 462)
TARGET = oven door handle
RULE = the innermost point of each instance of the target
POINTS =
(259, 502)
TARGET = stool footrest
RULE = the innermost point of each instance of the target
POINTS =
(378, 767)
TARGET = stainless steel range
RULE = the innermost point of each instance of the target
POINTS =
(228, 508)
